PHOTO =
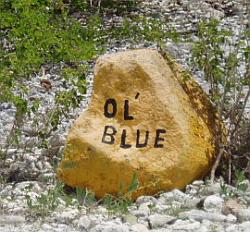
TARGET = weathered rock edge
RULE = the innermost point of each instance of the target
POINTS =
(90, 164)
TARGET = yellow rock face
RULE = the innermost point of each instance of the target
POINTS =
(146, 118)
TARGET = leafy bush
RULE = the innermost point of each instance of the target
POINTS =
(240, 184)
(229, 86)
(142, 29)
(37, 33)
(120, 6)
(40, 36)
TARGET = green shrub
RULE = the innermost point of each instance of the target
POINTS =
(79, 5)
(40, 33)
(119, 6)
(47, 202)
(222, 71)
(141, 29)
(40, 36)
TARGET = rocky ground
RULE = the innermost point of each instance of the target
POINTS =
(31, 190)
(202, 207)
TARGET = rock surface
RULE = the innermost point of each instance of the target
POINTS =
(141, 122)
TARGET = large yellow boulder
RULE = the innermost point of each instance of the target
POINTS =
(147, 118)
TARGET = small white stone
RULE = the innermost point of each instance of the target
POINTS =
(6, 191)
(160, 208)
(198, 182)
(101, 210)
(11, 151)
(19, 210)
(213, 188)
(232, 228)
(231, 218)
(130, 218)
(110, 227)
(169, 196)
(66, 216)
(143, 210)
(31, 142)
(39, 165)
(200, 215)
(186, 225)
(244, 227)
(139, 228)
(213, 203)
(145, 199)
(192, 202)
(9, 161)
(12, 219)
(46, 227)
(84, 223)
(193, 191)
(57, 140)
(47, 165)
(179, 195)
(243, 215)
(61, 227)
(203, 229)
(159, 220)
(29, 157)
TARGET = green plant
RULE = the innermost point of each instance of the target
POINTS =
(79, 5)
(120, 203)
(221, 68)
(46, 202)
(240, 185)
(119, 7)
(208, 56)
(226, 190)
(85, 197)
(227, 84)
(2, 179)
(240, 178)
(152, 207)
(144, 29)
(40, 33)
(105, 6)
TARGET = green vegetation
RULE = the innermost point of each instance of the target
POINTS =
(47, 202)
(104, 6)
(142, 29)
(120, 203)
(85, 197)
(240, 185)
(37, 35)
(229, 88)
